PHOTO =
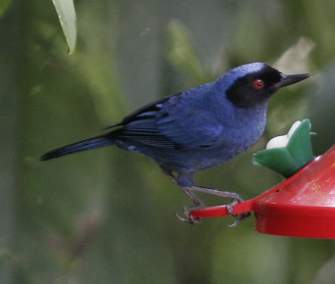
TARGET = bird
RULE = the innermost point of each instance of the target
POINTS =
(197, 128)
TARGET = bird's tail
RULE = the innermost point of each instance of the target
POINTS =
(87, 144)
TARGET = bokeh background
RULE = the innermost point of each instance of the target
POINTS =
(108, 216)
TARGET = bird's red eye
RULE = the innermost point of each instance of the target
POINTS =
(258, 84)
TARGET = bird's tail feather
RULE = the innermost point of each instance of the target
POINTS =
(87, 144)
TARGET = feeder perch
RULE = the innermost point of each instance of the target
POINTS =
(303, 205)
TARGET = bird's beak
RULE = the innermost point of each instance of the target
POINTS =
(287, 80)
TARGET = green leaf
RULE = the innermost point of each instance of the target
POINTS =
(67, 17)
(4, 4)
(181, 52)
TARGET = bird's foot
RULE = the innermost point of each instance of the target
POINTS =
(237, 218)
(225, 194)
(188, 217)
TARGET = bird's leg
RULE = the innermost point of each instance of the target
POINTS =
(225, 194)
(185, 182)
(197, 204)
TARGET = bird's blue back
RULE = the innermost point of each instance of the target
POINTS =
(198, 128)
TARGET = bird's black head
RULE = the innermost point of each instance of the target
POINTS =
(254, 83)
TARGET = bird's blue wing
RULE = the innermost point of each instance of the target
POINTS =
(188, 120)
(140, 127)
(176, 122)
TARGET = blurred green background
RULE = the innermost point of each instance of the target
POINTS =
(108, 216)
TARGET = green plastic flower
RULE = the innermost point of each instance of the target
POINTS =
(288, 153)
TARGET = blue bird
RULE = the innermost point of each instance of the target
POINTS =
(197, 128)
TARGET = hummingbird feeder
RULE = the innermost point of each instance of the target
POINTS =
(303, 205)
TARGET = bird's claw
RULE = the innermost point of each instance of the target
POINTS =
(238, 218)
(188, 217)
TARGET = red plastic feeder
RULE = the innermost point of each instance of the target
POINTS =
(301, 206)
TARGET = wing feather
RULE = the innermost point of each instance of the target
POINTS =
(171, 123)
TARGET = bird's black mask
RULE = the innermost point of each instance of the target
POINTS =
(257, 87)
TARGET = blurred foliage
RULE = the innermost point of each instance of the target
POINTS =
(108, 215)
(67, 18)
(4, 4)
(182, 55)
